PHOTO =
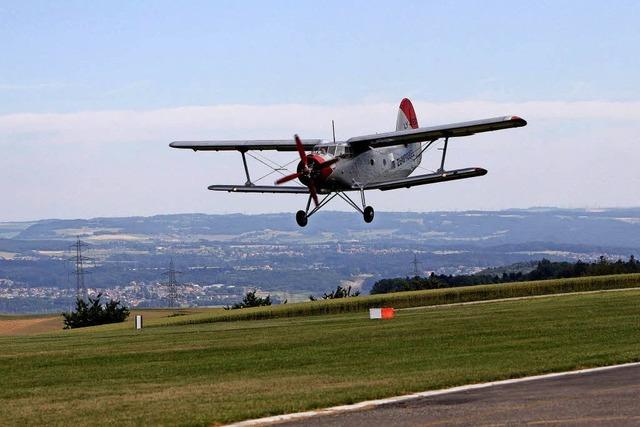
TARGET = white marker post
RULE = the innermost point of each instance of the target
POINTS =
(138, 321)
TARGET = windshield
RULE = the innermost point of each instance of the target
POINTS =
(343, 150)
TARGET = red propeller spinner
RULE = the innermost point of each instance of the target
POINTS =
(312, 170)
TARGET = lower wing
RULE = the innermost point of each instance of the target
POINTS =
(262, 189)
(393, 184)
(450, 175)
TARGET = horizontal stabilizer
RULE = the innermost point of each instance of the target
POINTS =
(411, 181)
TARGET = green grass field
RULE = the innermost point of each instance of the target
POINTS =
(209, 373)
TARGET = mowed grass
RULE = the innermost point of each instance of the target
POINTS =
(202, 374)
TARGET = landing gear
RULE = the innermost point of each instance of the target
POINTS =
(368, 214)
(301, 218)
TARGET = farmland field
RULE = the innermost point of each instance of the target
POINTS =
(13, 325)
(29, 325)
(208, 373)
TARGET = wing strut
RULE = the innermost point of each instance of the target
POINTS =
(444, 154)
(246, 169)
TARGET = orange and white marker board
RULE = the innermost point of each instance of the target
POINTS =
(388, 313)
(381, 313)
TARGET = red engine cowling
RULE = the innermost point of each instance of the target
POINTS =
(318, 175)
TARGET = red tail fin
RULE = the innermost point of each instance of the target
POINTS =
(406, 116)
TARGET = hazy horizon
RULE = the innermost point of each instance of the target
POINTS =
(530, 209)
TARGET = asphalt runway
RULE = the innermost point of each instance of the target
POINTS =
(605, 398)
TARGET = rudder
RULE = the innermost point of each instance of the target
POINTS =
(406, 116)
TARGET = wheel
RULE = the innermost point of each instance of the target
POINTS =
(368, 214)
(301, 218)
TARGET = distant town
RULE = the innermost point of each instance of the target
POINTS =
(218, 258)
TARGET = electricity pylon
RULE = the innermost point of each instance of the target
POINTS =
(415, 264)
(172, 294)
(79, 259)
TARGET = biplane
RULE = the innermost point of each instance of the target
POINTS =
(381, 161)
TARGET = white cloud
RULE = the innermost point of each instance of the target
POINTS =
(118, 162)
(247, 121)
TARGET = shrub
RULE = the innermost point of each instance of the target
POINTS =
(93, 313)
(251, 300)
(340, 292)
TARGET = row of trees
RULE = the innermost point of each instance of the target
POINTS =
(545, 269)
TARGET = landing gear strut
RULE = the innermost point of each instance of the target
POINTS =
(302, 216)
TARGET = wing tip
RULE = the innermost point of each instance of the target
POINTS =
(181, 144)
(518, 120)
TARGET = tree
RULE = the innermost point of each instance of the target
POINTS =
(94, 313)
(580, 268)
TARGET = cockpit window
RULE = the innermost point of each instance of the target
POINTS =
(334, 150)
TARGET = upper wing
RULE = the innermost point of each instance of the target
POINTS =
(434, 132)
(426, 179)
(245, 145)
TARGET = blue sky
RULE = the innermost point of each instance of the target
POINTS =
(71, 56)
(98, 87)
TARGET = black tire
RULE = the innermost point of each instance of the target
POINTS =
(368, 214)
(301, 218)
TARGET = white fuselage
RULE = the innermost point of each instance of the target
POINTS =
(372, 165)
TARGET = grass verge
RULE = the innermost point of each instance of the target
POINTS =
(202, 374)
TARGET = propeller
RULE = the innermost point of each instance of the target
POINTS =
(305, 170)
